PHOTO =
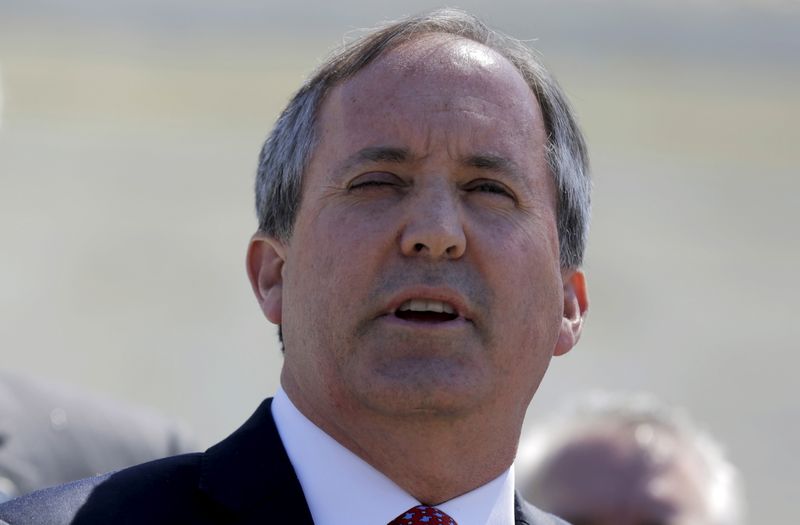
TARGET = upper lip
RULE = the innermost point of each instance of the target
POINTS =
(445, 295)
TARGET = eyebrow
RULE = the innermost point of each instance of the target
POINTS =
(374, 154)
(497, 164)
(491, 163)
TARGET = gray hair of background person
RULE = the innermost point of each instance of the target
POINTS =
(647, 417)
(288, 149)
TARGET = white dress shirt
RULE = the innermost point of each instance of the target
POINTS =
(342, 489)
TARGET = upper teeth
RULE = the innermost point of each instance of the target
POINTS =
(423, 305)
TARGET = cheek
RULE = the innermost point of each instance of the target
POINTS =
(525, 257)
(352, 239)
(335, 264)
(526, 270)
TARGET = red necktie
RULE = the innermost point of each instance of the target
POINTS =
(423, 515)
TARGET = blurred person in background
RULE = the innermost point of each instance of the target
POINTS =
(51, 434)
(618, 459)
(423, 209)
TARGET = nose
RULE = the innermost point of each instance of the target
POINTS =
(434, 226)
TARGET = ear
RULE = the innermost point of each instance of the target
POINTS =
(266, 256)
(576, 303)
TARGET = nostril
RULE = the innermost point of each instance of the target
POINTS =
(419, 247)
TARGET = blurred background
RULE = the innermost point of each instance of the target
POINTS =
(128, 148)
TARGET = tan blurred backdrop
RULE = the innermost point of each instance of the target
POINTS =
(128, 149)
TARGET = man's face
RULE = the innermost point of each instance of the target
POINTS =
(423, 271)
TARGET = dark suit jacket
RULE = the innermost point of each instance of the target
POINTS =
(245, 479)
(52, 434)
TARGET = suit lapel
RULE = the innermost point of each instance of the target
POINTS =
(250, 476)
(527, 514)
(520, 516)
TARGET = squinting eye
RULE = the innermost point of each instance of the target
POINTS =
(375, 180)
(368, 183)
(487, 186)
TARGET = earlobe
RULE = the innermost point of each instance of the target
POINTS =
(266, 256)
(576, 304)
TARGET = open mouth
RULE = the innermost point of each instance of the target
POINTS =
(426, 311)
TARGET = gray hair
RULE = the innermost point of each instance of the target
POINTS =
(288, 149)
(645, 418)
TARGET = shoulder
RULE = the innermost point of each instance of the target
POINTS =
(52, 434)
(527, 514)
(166, 488)
(50, 506)
(73, 411)
(246, 478)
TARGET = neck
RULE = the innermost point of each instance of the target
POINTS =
(431, 457)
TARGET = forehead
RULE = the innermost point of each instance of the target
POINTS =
(460, 62)
(437, 82)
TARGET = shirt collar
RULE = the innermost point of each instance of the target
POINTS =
(341, 488)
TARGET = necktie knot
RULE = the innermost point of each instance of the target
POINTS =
(423, 515)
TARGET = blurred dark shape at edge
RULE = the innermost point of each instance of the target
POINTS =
(52, 434)
(628, 459)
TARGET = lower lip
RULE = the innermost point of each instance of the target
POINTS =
(459, 323)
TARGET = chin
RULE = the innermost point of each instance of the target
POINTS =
(435, 404)
(414, 387)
